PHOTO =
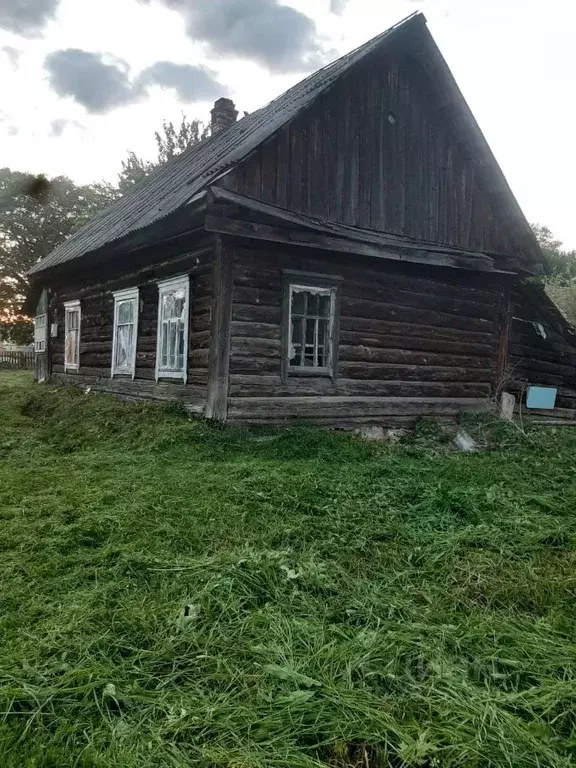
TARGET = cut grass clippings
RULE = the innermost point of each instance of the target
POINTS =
(179, 594)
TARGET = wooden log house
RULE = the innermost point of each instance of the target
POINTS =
(345, 255)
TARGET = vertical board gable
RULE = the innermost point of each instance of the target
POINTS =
(378, 151)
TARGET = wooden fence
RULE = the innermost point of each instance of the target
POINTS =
(17, 361)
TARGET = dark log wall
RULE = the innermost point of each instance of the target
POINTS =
(97, 315)
(412, 341)
(344, 160)
(532, 359)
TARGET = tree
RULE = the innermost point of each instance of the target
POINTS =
(36, 215)
(560, 284)
(562, 263)
(170, 141)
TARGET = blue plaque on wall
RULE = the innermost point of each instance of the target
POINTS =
(543, 398)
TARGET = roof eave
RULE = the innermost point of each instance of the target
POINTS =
(134, 240)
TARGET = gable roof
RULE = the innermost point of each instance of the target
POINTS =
(185, 176)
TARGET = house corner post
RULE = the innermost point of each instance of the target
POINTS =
(220, 332)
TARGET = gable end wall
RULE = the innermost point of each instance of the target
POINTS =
(376, 151)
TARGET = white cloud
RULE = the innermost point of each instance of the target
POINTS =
(12, 54)
(191, 83)
(101, 83)
(27, 17)
(94, 80)
(275, 35)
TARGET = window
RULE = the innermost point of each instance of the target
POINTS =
(40, 330)
(172, 344)
(310, 335)
(71, 335)
(125, 332)
(41, 322)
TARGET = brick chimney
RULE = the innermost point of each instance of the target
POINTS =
(224, 115)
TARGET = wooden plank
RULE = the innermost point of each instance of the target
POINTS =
(295, 173)
(266, 232)
(330, 160)
(532, 366)
(257, 347)
(356, 114)
(555, 413)
(390, 311)
(190, 396)
(310, 408)
(378, 182)
(355, 424)
(368, 326)
(258, 330)
(340, 131)
(402, 298)
(253, 171)
(257, 314)
(399, 356)
(503, 334)
(249, 295)
(565, 356)
(272, 386)
(315, 204)
(282, 179)
(398, 372)
(254, 365)
(219, 356)
(261, 270)
(193, 261)
(415, 343)
(269, 170)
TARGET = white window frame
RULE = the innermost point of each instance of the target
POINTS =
(68, 307)
(327, 369)
(40, 332)
(130, 294)
(166, 287)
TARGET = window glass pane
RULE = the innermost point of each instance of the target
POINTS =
(167, 306)
(324, 310)
(126, 312)
(71, 347)
(313, 304)
(164, 346)
(72, 319)
(323, 330)
(124, 339)
(179, 305)
(310, 326)
(322, 343)
(295, 339)
(171, 330)
(298, 302)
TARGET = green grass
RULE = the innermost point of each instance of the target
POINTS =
(177, 594)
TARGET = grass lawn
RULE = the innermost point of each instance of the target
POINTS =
(176, 594)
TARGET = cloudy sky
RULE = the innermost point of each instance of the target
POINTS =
(83, 81)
